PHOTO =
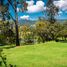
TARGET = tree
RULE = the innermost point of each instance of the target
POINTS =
(4, 11)
(52, 10)
(63, 32)
(41, 27)
(7, 34)
(28, 35)
(54, 30)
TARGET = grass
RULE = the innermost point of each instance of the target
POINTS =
(49, 54)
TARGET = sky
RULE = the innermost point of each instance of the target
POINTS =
(37, 8)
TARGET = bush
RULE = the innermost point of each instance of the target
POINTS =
(28, 41)
(28, 38)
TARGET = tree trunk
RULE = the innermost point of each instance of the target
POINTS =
(16, 27)
(17, 34)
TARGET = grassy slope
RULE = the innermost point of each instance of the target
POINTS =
(50, 54)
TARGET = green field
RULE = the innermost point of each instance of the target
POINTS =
(49, 54)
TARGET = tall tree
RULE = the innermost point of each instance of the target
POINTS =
(52, 10)
(4, 11)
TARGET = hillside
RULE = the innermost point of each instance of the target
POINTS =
(49, 54)
(29, 22)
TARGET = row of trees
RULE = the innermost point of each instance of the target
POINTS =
(53, 31)
(48, 30)
(44, 31)
(41, 31)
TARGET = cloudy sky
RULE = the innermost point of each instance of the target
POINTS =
(36, 9)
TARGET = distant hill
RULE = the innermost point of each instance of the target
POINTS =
(29, 22)
(62, 20)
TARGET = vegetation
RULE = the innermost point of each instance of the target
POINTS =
(3, 60)
(52, 11)
(43, 30)
(49, 54)
(48, 36)
(7, 34)
(6, 15)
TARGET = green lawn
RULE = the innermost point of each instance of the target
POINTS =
(49, 54)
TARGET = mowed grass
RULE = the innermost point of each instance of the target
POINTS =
(49, 54)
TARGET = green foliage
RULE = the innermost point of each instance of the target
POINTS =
(63, 32)
(54, 30)
(41, 27)
(27, 34)
(28, 41)
(47, 31)
(2, 39)
(7, 35)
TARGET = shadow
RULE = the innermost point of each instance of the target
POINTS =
(6, 47)
(63, 41)
(9, 47)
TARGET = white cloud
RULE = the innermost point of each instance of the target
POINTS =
(30, 3)
(62, 4)
(19, 10)
(25, 17)
(39, 6)
(60, 12)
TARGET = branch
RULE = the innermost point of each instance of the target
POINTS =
(12, 17)
(11, 5)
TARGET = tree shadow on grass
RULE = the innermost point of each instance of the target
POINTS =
(7, 47)
(63, 41)
(10, 47)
